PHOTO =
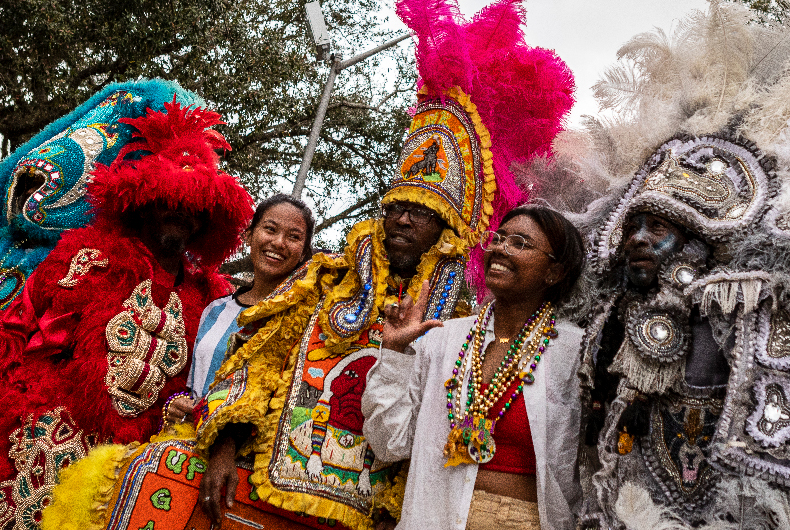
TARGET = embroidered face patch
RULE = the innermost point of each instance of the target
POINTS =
(678, 448)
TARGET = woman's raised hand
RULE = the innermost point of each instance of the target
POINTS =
(403, 322)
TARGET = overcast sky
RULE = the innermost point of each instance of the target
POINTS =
(588, 33)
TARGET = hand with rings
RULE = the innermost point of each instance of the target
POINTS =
(180, 410)
(403, 322)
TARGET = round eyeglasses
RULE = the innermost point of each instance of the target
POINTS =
(513, 244)
(417, 215)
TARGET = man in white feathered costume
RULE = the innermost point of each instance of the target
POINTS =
(686, 364)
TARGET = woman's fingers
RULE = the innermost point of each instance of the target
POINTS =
(180, 410)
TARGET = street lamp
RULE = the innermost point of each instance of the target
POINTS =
(316, 27)
(318, 32)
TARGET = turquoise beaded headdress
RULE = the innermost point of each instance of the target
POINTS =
(43, 182)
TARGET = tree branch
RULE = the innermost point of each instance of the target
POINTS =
(329, 221)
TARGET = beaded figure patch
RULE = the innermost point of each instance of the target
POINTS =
(319, 448)
(678, 447)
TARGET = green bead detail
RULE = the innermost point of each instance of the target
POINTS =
(451, 415)
(537, 357)
(520, 388)
(507, 405)
(545, 341)
(458, 362)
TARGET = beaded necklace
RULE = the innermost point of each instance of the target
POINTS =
(471, 439)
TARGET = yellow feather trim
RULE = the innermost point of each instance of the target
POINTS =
(350, 285)
(80, 500)
(286, 500)
(489, 177)
(297, 293)
(264, 356)
(449, 245)
(391, 499)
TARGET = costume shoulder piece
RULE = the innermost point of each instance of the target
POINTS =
(43, 182)
(354, 304)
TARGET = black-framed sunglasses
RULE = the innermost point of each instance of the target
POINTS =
(513, 244)
(417, 214)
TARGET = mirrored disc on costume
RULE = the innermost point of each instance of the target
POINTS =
(484, 453)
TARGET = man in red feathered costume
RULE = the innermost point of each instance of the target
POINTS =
(103, 331)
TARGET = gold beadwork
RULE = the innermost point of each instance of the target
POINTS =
(81, 263)
(145, 346)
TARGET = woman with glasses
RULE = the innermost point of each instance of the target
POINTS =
(487, 406)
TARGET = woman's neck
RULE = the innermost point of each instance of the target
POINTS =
(261, 288)
(510, 315)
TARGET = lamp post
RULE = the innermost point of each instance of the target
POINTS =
(320, 35)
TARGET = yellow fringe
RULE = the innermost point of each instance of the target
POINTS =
(489, 178)
(351, 285)
(81, 498)
(449, 245)
(264, 356)
(294, 501)
(391, 499)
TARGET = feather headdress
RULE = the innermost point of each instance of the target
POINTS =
(716, 76)
(173, 163)
(515, 98)
(43, 182)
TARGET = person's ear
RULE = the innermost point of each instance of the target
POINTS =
(555, 274)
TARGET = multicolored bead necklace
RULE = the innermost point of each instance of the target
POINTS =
(471, 439)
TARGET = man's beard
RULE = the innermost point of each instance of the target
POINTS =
(404, 262)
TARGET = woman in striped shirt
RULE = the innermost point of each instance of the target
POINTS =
(280, 240)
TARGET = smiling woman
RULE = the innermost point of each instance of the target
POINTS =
(280, 240)
(508, 429)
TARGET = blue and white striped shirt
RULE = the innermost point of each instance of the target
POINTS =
(217, 324)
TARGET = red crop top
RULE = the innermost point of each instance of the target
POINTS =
(514, 450)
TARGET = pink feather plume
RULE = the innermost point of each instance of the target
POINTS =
(523, 94)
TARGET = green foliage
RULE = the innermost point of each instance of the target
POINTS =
(769, 11)
(251, 60)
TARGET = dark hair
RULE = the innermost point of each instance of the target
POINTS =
(307, 215)
(566, 244)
